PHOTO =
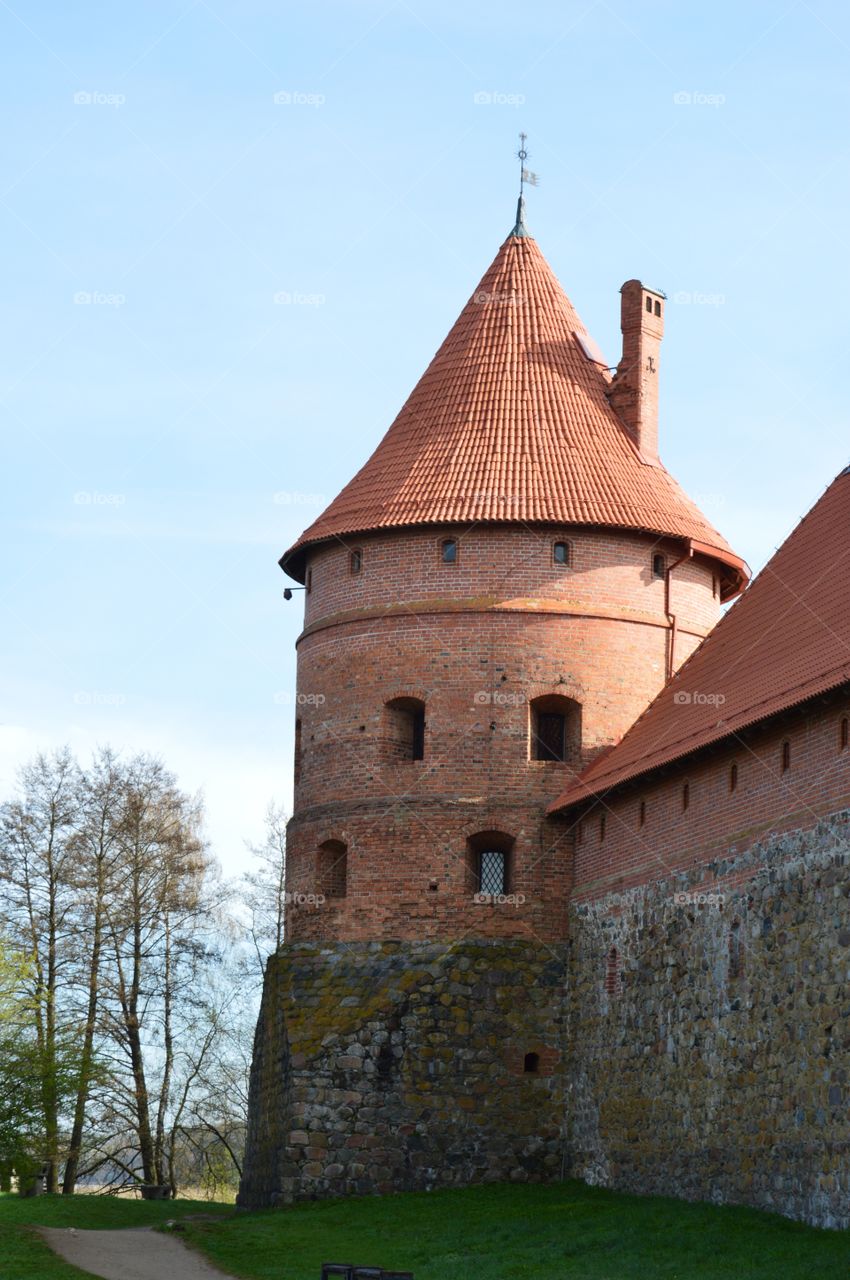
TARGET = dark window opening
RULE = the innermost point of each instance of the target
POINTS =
(309, 581)
(551, 736)
(531, 1064)
(686, 795)
(658, 566)
(736, 951)
(404, 729)
(786, 756)
(642, 813)
(658, 308)
(733, 778)
(555, 728)
(601, 827)
(385, 1061)
(844, 737)
(649, 304)
(332, 869)
(561, 553)
(612, 972)
(297, 759)
(449, 551)
(356, 561)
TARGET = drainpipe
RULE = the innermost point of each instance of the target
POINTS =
(671, 617)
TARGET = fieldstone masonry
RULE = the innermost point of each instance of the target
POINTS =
(401, 1066)
(690, 1081)
(716, 1064)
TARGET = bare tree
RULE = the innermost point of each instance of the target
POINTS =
(36, 864)
(262, 893)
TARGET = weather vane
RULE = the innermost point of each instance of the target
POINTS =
(525, 175)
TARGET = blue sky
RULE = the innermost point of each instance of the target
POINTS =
(215, 302)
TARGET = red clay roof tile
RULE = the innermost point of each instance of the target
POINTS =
(786, 639)
(511, 422)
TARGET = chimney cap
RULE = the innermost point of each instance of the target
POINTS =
(656, 293)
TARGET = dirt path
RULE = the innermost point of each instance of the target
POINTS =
(135, 1254)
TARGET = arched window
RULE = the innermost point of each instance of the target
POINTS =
(686, 796)
(733, 778)
(332, 869)
(554, 728)
(489, 855)
(404, 729)
(355, 561)
(659, 567)
(561, 553)
(448, 551)
(785, 756)
(531, 1064)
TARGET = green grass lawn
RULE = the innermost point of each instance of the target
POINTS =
(23, 1256)
(494, 1232)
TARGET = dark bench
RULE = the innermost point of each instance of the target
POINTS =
(349, 1272)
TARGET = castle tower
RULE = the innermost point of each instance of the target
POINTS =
(492, 601)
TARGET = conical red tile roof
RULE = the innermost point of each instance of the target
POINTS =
(510, 422)
(785, 640)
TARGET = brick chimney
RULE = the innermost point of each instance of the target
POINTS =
(634, 388)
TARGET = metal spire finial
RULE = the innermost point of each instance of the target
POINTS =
(525, 176)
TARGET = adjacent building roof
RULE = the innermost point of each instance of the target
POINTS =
(510, 422)
(786, 639)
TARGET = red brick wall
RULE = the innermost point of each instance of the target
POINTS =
(766, 800)
(475, 641)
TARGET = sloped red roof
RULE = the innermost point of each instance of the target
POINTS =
(510, 422)
(786, 639)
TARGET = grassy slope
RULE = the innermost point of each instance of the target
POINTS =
(501, 1232)
(514, 1233)
(23, 1256)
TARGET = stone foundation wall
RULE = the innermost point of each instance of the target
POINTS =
(401, 1066)
(710, 1050)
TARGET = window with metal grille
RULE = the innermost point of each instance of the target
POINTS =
(491, 871)
(488, 860)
